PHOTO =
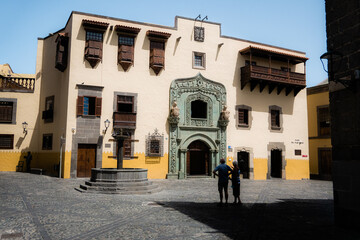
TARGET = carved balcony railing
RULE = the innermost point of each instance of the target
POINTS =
(124, 120)
(12, 84)
(265, 76)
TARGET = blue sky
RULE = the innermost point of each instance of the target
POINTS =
(293, 24)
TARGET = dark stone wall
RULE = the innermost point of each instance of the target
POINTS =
(343, 35)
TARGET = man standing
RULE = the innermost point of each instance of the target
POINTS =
(223, 174)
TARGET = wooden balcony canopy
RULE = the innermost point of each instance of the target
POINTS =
(158, 35)
(100, 26)
(121, 29)
(273, 77)
(275, 55)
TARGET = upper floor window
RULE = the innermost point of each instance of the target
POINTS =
(62, 42)
(198, 60)
(48, 114)
(8, 110)
(94, 40)
(198, 109)
(89, 106)
(126, 42)
(47, 141)
(275, 118)
(323, 116)
(6, 141)
(125, 104)
(244, 116)
(157, 49)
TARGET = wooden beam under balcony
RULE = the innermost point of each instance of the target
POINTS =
(273, 78)
(124, 120)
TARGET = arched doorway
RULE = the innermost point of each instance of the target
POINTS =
(197, 159)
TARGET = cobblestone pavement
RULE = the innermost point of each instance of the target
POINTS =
(42, 207)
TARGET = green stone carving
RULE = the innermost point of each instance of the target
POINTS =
(184, 129)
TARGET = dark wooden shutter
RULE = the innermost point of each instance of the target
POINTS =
(241, 116)
(126, 53)
(98, 106)
(275, 118)
(6, 112)
(80, 106)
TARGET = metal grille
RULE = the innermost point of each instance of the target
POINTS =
(6, 141)
(126, 41)
(94, 36)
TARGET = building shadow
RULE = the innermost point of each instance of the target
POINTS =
(286, 219)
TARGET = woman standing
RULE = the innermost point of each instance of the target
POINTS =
(235, 179)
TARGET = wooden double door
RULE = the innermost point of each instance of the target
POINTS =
(197, 160)
(86, 159)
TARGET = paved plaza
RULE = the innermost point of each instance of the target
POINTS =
(42, 207)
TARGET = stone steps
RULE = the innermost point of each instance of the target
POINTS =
(144, 187)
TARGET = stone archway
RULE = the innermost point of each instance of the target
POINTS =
(198, 159)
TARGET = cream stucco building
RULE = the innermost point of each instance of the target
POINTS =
(186, 95)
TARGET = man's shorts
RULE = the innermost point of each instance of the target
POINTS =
(222, 185)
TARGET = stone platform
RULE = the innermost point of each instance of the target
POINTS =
(119, 181)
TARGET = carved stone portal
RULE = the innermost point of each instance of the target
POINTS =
(184, 129)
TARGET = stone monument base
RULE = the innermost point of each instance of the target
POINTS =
(119, 181)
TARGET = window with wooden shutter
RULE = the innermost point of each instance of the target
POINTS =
(243, 120)
(275, 118)
(243, 115)
(80, 106)
(6, 111)
(48, 114)
(157, 49)
(323, 115)
(47, 141)
(98, 106)
(127, 149)
(93, 47)
(61, 51)
(6, 141)
(89, 106)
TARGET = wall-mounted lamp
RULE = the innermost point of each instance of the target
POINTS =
(24, 125)
(73, 130)
(107, 124)
(335, 60)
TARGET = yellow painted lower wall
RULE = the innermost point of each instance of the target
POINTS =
(260, 168)
(66, 164)
(157, 167)
(9, 160)
(297, 169)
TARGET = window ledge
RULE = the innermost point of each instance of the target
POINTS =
(243, 125)
(276, 128)
(199, 67)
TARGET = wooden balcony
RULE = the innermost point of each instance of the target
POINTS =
(124, 120)
(273, 78)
